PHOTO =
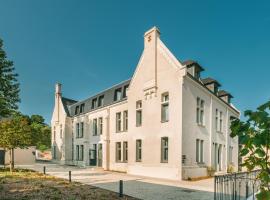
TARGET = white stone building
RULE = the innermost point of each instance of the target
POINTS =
(165, 122)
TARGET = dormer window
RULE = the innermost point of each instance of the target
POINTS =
(82, 108)
(125, 91)
(94, 103)
(101, 101)
(211, 84)
(77, 110)
(193, 68)
(117, 94)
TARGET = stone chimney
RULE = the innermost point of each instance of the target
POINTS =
(58, 88)
(58, 95)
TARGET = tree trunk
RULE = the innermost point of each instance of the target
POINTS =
(11, 159)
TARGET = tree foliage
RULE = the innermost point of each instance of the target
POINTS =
(254, 136)
(9, 86)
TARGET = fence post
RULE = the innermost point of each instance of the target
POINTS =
(44, 169)
(246, 190)
(69, 176)
(121, 188)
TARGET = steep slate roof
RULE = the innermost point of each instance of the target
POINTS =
(108, 99)
(209, 80)
(222, 93)
(67, 102)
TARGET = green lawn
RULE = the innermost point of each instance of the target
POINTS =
(27, 184)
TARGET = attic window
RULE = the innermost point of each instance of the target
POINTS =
(77, 110)
(94, 103)
(125, 91)
(117, 94)
(101, 101)
(82, 108)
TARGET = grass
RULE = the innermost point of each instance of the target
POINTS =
(27, 184)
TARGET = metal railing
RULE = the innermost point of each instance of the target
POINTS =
(236, 186)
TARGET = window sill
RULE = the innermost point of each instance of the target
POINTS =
(219, 132)
(164, 121)
(138, 161)
(138, 125)
(164, 162)
(201, 125)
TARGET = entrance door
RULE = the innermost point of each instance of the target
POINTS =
(93, 156)
(2, 157)
(100, 155)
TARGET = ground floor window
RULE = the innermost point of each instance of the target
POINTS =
(125, 151)
(79, 152)
(199, 151)
(164, 149)
(118, 152)
(138, 150)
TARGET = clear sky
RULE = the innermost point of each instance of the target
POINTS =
(90, 45)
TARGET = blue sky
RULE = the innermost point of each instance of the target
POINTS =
(91, 45)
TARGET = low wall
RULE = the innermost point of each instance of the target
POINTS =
(193, 172)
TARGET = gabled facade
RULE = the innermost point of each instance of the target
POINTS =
(165, 122)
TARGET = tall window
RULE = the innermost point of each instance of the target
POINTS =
(138, 113)
(94, 103)
(77, 130)
(82, 108)
(100, 125)
(230, 154)
(81, 153)
(101, 101)
(216, 120)
(125, 125)
(94, 126)
(125, 151)
(77, 110)
(118, 122)
(200, 111)
(164, 149)
(220, 121)
(54, 133)
(117, 94)
(118, 152)
(125, 91)
(77, 152)
(165, 107)
(199, 151)
(82, 127)
(61, 131)
(138, 150)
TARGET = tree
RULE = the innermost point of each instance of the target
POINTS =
(9, 86)
(41, 132)
(254, 135)
(15, 132)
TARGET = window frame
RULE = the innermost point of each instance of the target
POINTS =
(125, 120)
(125, 151)
(100, 126)
(138, 113)
(117, 94)
(138, 150)
(164, 150)
(165, 104)
(118, 153)
(95, 127)
(199, 151)
(100, 101)
(118, 120)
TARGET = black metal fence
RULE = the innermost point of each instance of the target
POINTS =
(236, 186)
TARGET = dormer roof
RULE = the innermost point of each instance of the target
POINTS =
(190, 63)
(223, 93)
(207, 81)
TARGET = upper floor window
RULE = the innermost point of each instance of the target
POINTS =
(118, 152)
(94, 126)
(216, 120)
(125, 125)
(139, 113)
(200, 111)
(82, 108)
(77, 110)
(61, 131)
(230, 154)
(164, 149)
(125, 91)
(101, 101)
(220, 121)
(82, 127)
(117, 94)
(100, 125)
(165, 107)
(138, 150)
(77, 130)
(118, 122)
(199, 151)
(94, 103)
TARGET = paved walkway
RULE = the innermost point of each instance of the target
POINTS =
(136, 186)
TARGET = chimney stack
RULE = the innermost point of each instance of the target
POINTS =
(58, 89)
